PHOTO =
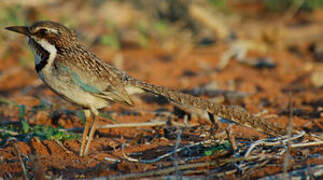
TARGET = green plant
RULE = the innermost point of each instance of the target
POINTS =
(23, 131)
(213, 149)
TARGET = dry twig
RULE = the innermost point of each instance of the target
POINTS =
(157, 123)
(62, 146)
(313, 173)
(273, 142)
(11, 133)
(162, 156)
(183, 167)
(289, 135)
(21, 162)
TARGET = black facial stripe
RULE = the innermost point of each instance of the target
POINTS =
(42, 53)
(41, 64)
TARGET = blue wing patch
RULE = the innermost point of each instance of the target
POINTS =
(78, 81)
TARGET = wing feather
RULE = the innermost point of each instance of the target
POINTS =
(94, 76)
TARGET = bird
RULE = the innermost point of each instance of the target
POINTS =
(76, 74)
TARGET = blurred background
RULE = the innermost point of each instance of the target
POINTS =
(170, 25)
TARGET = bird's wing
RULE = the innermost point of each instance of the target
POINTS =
(95, 76)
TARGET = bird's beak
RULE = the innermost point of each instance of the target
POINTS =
(19, 29)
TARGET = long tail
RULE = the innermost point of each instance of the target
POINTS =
(233, 113)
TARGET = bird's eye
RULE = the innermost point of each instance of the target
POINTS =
(42, 31)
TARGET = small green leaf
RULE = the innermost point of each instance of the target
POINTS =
(22, 112)
(208, 153)
(25, 126)
(211, 150)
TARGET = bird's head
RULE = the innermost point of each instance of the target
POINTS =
(43, 32)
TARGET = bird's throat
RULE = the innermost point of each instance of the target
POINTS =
(44, 53)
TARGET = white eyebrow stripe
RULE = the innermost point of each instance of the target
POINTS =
(52, 30)
(48, 29)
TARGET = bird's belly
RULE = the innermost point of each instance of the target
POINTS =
(65, 87)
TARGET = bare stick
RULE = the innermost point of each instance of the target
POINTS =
(157, 123)
(178, 141)
(21, 162)
(152, 124)
(305, 173)
(111, 159)
(277, 141)
(62, 146)
(12, 133)
(161, 172)
(307, 144)
(289, 134)
(162, 156)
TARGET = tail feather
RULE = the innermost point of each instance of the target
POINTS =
(233, 113)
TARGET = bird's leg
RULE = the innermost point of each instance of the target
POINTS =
(88, 121)
(96, 115)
